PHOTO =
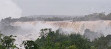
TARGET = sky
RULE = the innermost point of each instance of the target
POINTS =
(9, 8)
(17, 8)
(63, 7)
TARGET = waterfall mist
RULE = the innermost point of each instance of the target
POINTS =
(9, 8)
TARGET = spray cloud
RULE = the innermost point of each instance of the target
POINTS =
(9, 8)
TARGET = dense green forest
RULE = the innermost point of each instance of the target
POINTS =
(56, 40)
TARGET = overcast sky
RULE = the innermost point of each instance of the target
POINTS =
(63, 7)
(18, 8)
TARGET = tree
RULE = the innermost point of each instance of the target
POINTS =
(72, 47)
(30, 45)
(8, 42)
(56, 40)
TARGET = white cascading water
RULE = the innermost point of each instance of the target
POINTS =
(31, 30)
(9, 9)
(100, 26)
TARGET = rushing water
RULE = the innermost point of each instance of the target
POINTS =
(31, 30)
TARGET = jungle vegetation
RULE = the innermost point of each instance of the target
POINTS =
(56, 40)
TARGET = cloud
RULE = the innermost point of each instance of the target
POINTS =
(63, 7)
(9, 8)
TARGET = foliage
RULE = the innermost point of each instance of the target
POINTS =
(102, 42)
(30, 45)
(54, 40)
(7, 42)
